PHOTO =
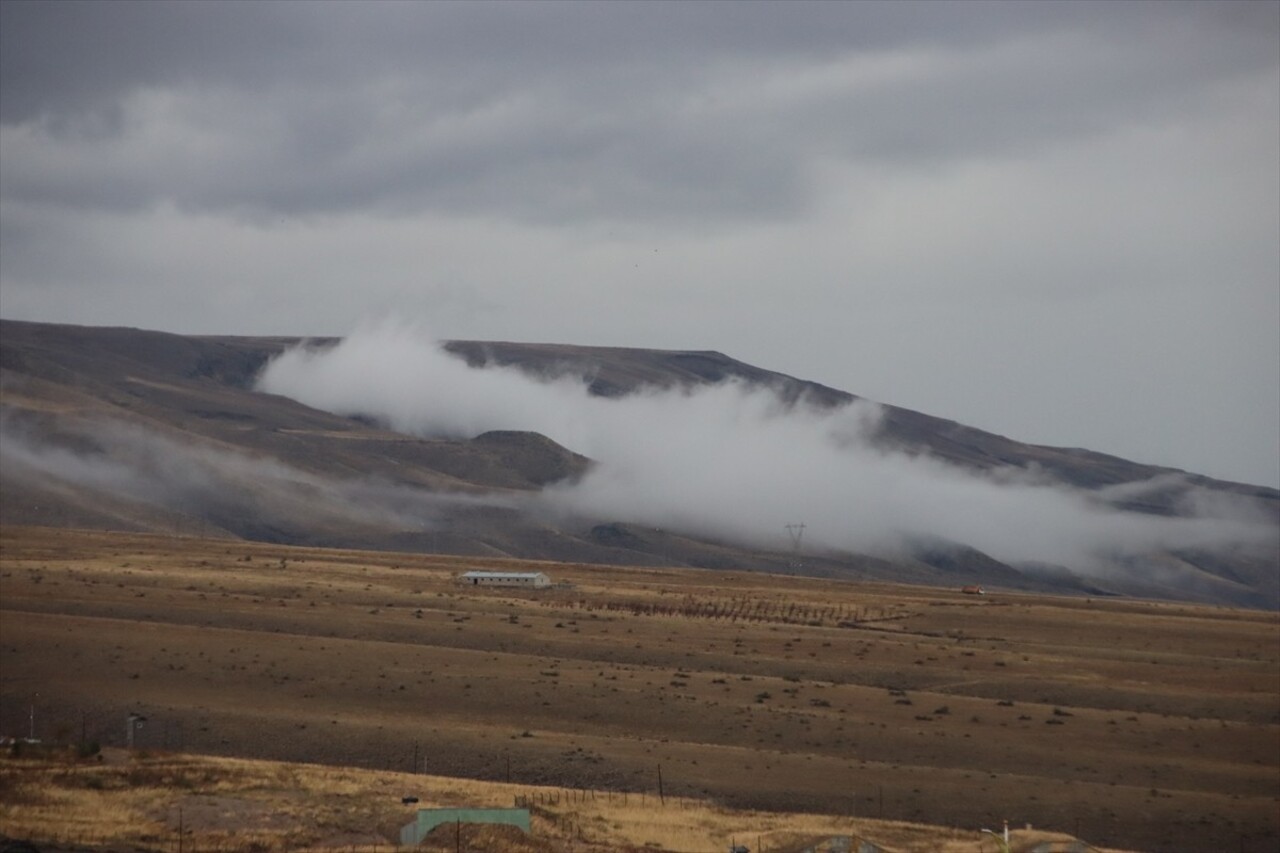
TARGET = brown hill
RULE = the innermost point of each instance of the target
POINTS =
(147, 431)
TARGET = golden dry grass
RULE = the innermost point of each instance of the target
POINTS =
(223, 804)
(1128, 723)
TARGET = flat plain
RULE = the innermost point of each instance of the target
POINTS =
(1130, 724)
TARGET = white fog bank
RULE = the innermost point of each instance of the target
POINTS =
(734, 461)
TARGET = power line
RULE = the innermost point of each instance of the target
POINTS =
(796, 532)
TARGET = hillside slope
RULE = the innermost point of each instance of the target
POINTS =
(139, 430)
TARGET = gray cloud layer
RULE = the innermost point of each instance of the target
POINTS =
(570, 110)
(1055, 220)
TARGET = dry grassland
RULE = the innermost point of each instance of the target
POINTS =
(1140, 725)
(148, 800)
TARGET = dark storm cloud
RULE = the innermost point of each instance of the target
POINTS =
(554, 111)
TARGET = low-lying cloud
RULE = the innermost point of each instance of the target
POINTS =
(210, 485)
(735, 461)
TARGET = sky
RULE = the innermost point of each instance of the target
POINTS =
(1056, 221)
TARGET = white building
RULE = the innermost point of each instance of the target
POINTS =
(531, 580)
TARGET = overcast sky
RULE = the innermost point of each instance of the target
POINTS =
(1058, 222)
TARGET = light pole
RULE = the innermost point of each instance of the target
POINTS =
(134, 723)
(1003, 842)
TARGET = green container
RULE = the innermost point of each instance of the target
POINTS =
(429, 819)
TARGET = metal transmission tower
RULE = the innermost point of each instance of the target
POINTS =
(796, 532)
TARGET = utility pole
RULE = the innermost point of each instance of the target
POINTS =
(133, 723)
(1000, 839)
(796, 532)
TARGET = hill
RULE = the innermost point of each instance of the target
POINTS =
(146, 431)
(147, 800)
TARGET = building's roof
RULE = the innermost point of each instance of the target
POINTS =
(505, 575)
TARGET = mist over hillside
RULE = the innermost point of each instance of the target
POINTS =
(390, 439)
